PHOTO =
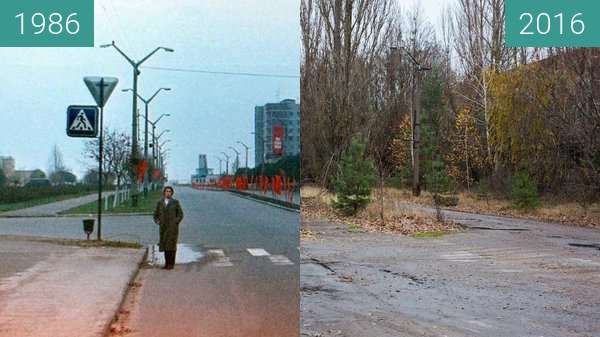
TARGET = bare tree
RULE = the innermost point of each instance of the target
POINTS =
(117, 150)
(342, 40)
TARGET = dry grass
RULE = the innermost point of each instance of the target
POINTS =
(550, 210)
(399, 202)
(399, 217)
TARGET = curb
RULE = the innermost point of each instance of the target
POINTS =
(132, 279)
(288, 206)
(81, 215)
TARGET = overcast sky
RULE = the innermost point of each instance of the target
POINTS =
(209, 112)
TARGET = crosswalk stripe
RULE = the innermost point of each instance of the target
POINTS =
(280, 260)
(258, 252)
(218, 252)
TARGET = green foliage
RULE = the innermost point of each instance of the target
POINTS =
(10, 195)
(38, 174)
(290, 165)
(3, 178)
(436, 177)
(445, 201)
(355, 178)
(63, 177)
(524, 191)
(434, 128)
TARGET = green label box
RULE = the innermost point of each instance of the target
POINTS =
(46, 23)
(552, 23)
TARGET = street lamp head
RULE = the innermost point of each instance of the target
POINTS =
(126, 90)
(168, 49)
(166, 89)
(107, 45)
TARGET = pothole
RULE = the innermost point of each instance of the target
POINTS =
(413, 278)
(585, 245)
(316, 289)
(499, 229)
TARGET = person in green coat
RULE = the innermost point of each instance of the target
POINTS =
(168, 215)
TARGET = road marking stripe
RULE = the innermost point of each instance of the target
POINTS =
(280, 260)
(218, 252)
(258, 252)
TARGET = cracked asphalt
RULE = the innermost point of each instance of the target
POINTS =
(501, 277)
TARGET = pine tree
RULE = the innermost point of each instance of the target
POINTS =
(355, 178)
(524, 191)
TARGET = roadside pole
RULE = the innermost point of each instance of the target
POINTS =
(100, 156)
(101, 88)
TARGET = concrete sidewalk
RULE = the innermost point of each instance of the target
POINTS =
(52, 209)
(51, 290)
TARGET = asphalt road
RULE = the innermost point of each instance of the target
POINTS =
(501, 277)
(245, 283)
(244, 280)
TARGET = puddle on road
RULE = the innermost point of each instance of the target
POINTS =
(185, 254)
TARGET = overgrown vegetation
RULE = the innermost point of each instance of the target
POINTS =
(354, 180)
(524, 191)
(446, 127)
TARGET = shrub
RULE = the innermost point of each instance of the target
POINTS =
(355, 178)
(445, 201)
(437, 179)
(9, 195)
(524, 192)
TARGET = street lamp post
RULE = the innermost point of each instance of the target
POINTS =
(227, 163)
(136, 73)
(237, 157)
(154, 135)
(159, 147)
(220, 165)
(247, 148)
(415, 116)
(146, 103)
(264, 152)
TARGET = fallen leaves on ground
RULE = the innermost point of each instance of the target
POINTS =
(307, 234)
(313, 208)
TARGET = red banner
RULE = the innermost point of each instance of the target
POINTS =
(278, 134)
(141, 170)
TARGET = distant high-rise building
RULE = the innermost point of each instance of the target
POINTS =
(202, 172)
(202, 165)
(7, 165)
(277, 131)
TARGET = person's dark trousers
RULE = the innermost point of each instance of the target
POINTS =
(170, 258)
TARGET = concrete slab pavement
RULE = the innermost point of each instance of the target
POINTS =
(50, 290)
(501, 277)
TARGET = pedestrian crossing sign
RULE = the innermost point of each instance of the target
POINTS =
(82, 121)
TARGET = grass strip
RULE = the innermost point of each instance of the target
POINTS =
(145, 205)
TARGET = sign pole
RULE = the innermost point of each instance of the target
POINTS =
(100, 152)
